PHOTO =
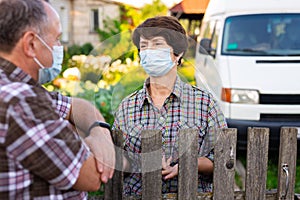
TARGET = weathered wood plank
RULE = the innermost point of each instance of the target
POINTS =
(287, 161)
(257, 160)
(269, 195)
(238, 195)
(224, 162)
(188, 167)
(151, 164)
(113, 189)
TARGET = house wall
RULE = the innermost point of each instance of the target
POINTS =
(76, 19)
(64, 7)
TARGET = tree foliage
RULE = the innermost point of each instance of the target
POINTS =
(115, 37)
(157, 8)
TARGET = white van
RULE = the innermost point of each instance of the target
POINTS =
(248, 56)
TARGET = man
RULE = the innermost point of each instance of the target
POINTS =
(41, 155)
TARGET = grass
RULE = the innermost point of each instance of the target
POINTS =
(272, 174)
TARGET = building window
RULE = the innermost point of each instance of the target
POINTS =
(63, 12)
(94, 20)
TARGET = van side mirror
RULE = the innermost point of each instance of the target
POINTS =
(205, 47)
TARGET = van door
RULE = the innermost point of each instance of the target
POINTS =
(205, 60)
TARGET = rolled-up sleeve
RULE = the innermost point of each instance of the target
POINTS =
(42, 142)
(62, 103)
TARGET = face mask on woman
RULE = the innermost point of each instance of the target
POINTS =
(156, 62)
(48, 74)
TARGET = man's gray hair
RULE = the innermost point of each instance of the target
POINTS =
(17, 17)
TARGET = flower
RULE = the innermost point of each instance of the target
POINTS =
(72, 73)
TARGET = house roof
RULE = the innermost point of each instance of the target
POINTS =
(190, 7)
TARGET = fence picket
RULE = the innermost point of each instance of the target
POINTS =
(151, 164)
(114, 188)
(287, 159)
(257, 160)
(188, 167)
(225, 155)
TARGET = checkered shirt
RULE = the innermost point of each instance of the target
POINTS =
(40, 155)
(186, 107)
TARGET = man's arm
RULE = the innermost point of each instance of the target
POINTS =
(89, 177)
(82, 115)
(53, 151)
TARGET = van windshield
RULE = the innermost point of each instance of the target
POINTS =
(262, 35)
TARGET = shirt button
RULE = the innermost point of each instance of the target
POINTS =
(162, 119)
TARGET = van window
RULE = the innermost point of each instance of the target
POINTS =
(208, 29)
(262, 35)
(215, 36)
(212, 32)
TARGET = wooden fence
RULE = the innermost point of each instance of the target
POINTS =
(224, 167)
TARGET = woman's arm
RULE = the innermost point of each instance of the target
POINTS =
(205, 166)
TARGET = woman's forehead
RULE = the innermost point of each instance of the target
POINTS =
(153, 39)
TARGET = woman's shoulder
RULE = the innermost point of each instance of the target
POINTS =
(197, 91)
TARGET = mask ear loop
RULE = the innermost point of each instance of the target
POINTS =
(39, 63)
(47, 46)
(44, 43)
(178, 58)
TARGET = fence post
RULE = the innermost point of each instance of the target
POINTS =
(113, 189)
(287, 163)
(188, 164)
(151, 164)
(224, 161)
(257, 159)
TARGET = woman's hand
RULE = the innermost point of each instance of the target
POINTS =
(168, 171)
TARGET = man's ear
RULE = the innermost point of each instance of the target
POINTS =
(29, 44)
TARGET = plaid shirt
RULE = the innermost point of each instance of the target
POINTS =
(40, 156)
(186, 107)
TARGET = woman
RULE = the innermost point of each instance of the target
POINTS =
(167, 104)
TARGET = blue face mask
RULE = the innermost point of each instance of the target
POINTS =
(48, 74)
(156, 62)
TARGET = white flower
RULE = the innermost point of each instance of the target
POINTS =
(72, 73)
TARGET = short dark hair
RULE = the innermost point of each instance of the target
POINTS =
(167, 27)
(16, 17)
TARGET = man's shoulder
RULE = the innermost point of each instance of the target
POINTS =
(19, 90)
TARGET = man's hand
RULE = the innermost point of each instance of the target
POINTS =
(82, 115)
(167, 170)
(100, 143)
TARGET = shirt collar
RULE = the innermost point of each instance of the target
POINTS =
(15, 73)
(144, 96)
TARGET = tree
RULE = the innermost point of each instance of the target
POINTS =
(157, 8)
(116, 36)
